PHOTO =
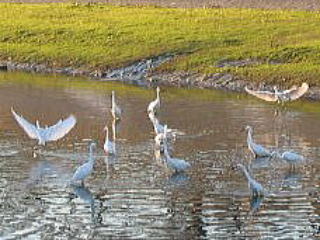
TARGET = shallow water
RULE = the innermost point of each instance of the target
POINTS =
(134, 195)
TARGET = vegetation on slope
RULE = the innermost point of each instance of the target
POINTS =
(259, 45)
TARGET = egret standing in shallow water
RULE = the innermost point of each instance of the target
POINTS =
(43, 135)
(84, 170)
(179, 165)
(256, 149)
(159, 128)
(255, 187)
(109, 146)
(154, 106)
(291, 157)
(115, 109)
(280, 96)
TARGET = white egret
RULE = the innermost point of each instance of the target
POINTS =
(280, 96)
(291, 157)
(109, 146)
(159, 140)
(43, 135)
(155, 105)
(159, 128)
(179, 165)
(255, 187)
(256, 149)
(115, 109)
(84, 170)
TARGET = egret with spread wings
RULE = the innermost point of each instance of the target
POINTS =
(280, 96)
(47, 134)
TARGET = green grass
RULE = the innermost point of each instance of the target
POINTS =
(284, 43)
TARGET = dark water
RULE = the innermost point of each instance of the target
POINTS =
(135, 196)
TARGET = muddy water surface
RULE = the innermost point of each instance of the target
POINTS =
(135, 196)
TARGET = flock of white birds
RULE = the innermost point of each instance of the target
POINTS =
(259, 151)
(163, 136)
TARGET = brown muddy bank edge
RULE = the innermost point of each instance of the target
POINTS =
(140, 73)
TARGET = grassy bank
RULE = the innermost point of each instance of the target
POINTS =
(272, 44)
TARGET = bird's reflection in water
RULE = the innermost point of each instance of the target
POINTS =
(292, 179)
(179, 179)
(109, 162)
(158, 155)
(8, 151)
(261, 162)
(255, 204)
(40, 170)
(87, 197)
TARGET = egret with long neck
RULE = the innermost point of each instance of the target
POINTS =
(109, 146)
(154, 106)
(115, 109)
(256, 149)
(255, 187)
(179, 165)
(84, 170)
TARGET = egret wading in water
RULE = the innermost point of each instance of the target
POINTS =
(255, 187)
(109, 146)
(154, 106)
(280, 96)
(159, 141)
(115, 109)
(179, 165)
(85, 169)
(47, 134)
(291, 157)
(159, 128)
(256, 149)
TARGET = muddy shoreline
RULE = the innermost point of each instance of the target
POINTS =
(141, 73)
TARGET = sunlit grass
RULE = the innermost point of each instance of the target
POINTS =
(285, 44)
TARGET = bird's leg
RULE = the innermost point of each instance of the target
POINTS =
(276, 112)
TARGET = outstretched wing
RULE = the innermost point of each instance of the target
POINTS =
(298, 92)
(29, 128)
(265, 95)
(60, 129)
(293, 88)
